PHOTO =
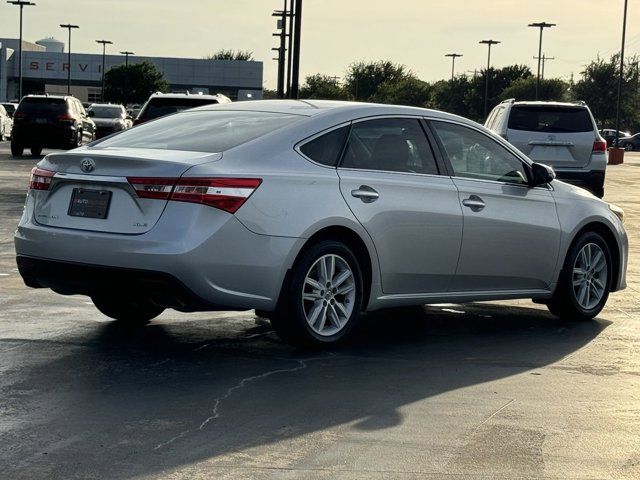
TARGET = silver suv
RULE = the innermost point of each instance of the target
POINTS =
(562, 135)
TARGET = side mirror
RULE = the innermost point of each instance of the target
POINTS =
(91, 113)
(541, 174)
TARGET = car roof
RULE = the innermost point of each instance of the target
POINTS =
(539, 103)
(185, 95)
(117, 105)
(57, 97)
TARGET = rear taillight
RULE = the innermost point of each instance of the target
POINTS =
(19, 116)
(40, 179)
(599, 146)
(65, 118)
(159, 188)
(227, 194)
(137, 121)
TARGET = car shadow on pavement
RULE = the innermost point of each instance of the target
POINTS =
(130, 402)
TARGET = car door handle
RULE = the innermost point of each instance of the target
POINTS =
(365, 193)
(474, 202)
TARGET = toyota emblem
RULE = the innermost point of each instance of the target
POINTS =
(87, 165)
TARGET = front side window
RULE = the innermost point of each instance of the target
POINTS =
(390, 144)
(203, 131)
(475, 155)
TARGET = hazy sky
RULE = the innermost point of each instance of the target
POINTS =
(416, 33)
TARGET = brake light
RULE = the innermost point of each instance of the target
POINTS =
(599, 146)
(19, 115)
(227, 194)
(65, 118)
(40, 179)
(159, 188)
(137, 121)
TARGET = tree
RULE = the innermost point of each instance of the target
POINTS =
(140, 80)
(321, 86)
(240, 55)
(450, 95)
(363, 79)
(598, 87)
(525, 89)
(407, 90)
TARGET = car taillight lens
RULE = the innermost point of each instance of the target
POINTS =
(40, 179)
(19, 116)
(600, 146)
(227, 194)
(137, 121)
(159, 188)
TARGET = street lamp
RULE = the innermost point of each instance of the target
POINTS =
(104, 49)
(488, 43)
(453, 62)
(126, 72)
(69, 27)
(624, 33)
(541, 26)
(21, 4)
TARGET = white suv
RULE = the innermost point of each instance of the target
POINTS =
(562, 135)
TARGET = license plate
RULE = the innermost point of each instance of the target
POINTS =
(89, 203)
(41, 120)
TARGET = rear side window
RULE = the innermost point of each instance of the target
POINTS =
(43, 106)
(550, 119)
(326, 148)
(159, 107)
(204, 131)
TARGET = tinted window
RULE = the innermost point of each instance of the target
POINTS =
(159, 107)
(326, 148)
(390, 144)
(106, 112)
(201, 131)
(475, 155)
(43, 106)
(550, 119)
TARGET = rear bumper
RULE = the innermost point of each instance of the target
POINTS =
(592, 180)
(199, 250)
(50, 137)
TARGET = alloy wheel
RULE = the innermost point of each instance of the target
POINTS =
(328, 295)
(590, 276)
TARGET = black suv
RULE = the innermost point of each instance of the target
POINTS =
(50, 121)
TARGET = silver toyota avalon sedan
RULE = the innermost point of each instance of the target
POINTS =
(312, 212)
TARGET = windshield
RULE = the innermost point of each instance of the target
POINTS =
(159, 107)
(550, 119)
(106, 112)
(203, 131)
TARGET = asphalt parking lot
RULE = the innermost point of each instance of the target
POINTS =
(482, 391)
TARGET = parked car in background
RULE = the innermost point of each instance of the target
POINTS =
(610, 135)
(109, 118)
(10, 107)
(312, 213)
(630, 142)
(161, 104)
(6, 124)
(133, 110)
(50, 121)
(562, 135)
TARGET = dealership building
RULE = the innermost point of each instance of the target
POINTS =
(45, 70)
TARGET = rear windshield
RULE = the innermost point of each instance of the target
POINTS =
(106, 112)
(43, 106)
(203, 131)
(550, 119)
(159, 107)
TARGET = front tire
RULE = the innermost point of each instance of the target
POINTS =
(585, 281)
(127, 310)
(16, 150)
(321, 304)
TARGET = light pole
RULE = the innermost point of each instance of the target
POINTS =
(126, 72)
(624, 33)
(21, 4)
(69, 27)
(295, 61)
(488, 43)
(541, 26)
(453, 62)
(104, 49)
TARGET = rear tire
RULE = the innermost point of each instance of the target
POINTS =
(321, 303)
(628, 147)
(36, 151)
(128, 310)
(585, 281)
(16, 150)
